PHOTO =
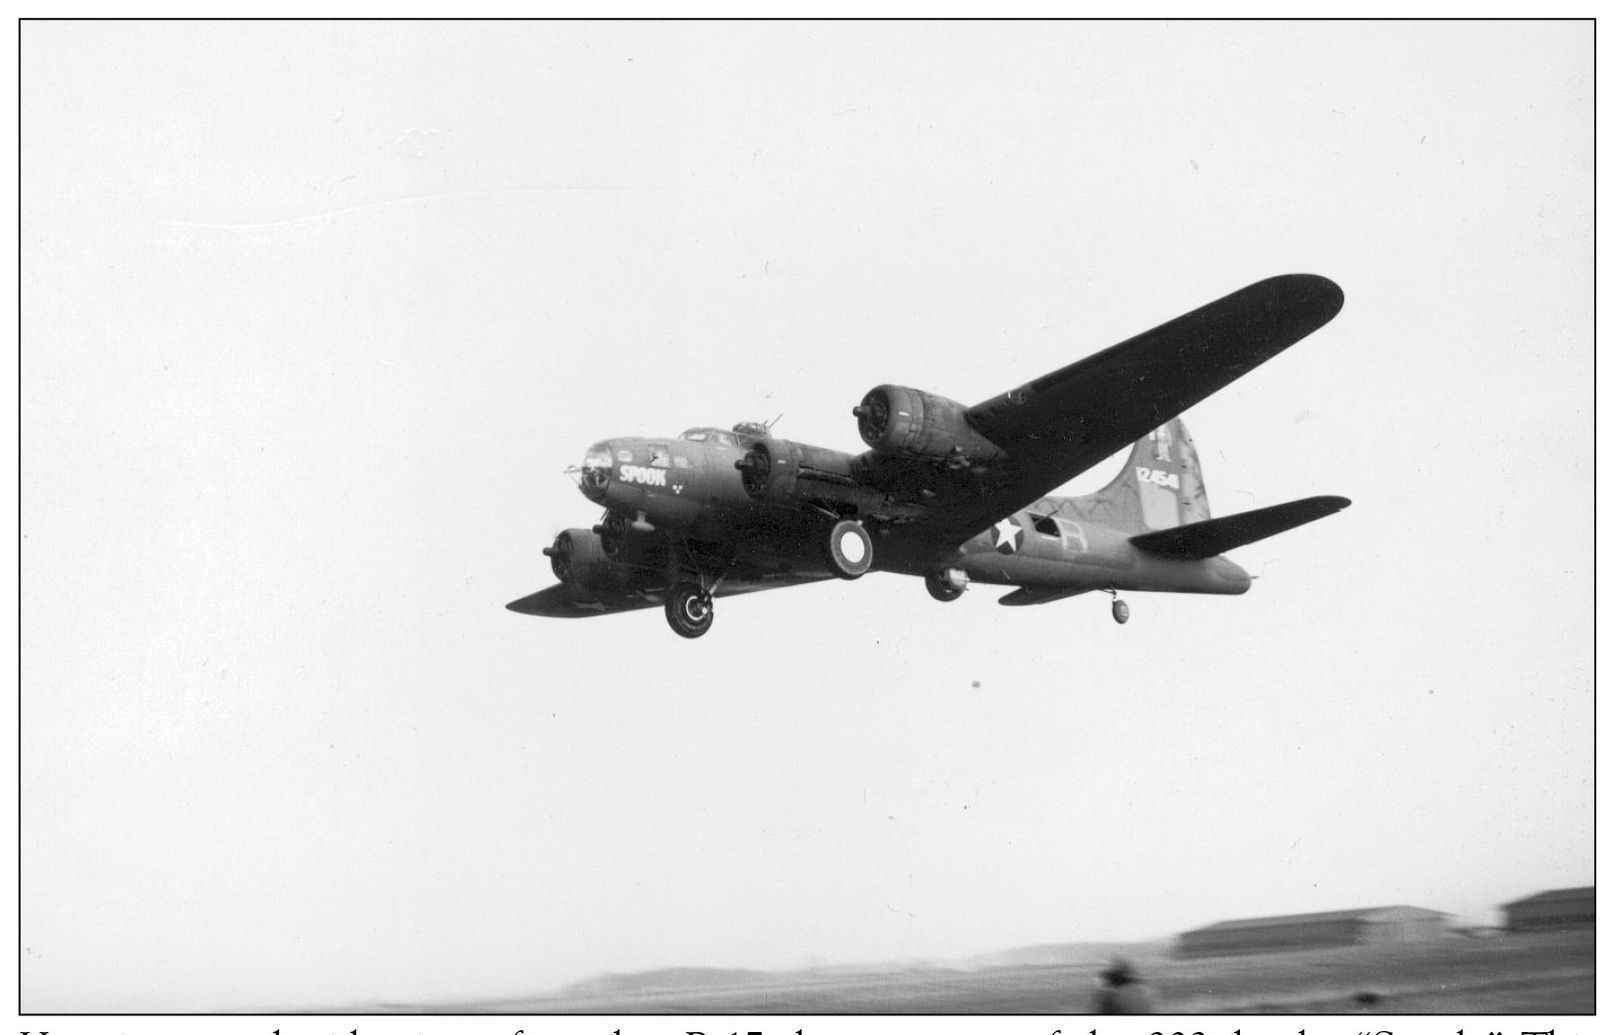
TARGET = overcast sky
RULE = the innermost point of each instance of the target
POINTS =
(315, 315)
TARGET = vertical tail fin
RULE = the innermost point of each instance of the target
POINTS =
(1160, 486)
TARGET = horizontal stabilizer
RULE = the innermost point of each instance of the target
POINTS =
(1025, 596)
(1218, 535)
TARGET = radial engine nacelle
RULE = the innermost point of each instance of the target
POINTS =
(781, 472)
(578, 559)
(897, 419)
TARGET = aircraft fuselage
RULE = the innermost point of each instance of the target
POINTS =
(690, 488)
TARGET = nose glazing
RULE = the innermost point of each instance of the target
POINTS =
(595, 471)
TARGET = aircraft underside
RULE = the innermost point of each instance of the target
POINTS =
(687, 575)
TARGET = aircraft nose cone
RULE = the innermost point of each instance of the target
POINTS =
(595, 471)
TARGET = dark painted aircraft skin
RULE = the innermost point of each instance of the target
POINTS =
(951, 493)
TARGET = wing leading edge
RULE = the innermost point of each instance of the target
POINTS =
(1110, 399)
(1061, 424)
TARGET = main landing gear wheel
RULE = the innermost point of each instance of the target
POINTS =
(1122, 612)
(942, 588)
(849, 550)
(689, 610)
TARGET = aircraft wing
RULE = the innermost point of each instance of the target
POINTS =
(1061, 424)
(563, 601)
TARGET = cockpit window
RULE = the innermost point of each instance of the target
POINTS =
(1045, 525)
(725, 438)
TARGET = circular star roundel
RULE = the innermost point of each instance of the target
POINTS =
(1005, 534)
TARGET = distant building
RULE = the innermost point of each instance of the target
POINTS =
(1558, 910)
(1314, 931)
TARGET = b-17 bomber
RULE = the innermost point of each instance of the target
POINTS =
(950, 493)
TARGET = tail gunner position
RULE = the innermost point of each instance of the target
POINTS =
(950, 493)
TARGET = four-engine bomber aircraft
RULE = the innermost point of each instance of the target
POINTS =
(952, 493)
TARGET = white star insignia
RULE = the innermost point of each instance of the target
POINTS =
(1005, 533)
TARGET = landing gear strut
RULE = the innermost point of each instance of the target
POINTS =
(689, 610)
(1120, 609)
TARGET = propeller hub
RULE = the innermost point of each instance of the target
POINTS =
(755, 466)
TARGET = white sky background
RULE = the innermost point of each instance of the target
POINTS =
(315, 315)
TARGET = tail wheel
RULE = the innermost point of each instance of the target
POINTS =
(942, 588)
(849, 550)
(689, 610)
(1122, 612)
